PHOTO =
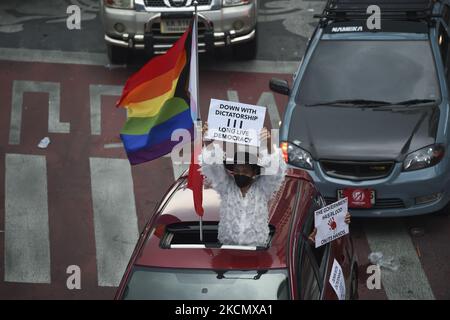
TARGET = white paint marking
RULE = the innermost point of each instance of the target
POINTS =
(96, 91)
(233, 95)
(113, 145)
(115, 221)
(179, 169)
(53, 56)
(268, 100)
(100, 59)
(27, 244)
(256, 66)
(409, 281)
(54, 92)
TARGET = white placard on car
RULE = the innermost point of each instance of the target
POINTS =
(235, 122)
(330, 222)
(337, 280)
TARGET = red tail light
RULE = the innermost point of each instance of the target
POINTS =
(284, 149)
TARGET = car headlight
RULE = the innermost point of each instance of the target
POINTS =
(120, 4)
(230, 3)
(424, 158)
(297, 156)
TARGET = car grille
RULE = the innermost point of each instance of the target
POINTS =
(160, 3)
(379, 203)
(164, 41)
(356, 170)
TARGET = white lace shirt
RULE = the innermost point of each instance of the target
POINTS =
(243, 220)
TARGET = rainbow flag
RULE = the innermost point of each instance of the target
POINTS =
(157, 102)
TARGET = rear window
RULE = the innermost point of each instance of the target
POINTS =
(189, 284)
(390, 71)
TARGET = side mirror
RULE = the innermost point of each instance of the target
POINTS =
(280, 86)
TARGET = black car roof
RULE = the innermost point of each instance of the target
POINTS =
(394, 10)
(410, 5)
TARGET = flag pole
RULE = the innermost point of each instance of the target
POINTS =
(196, 52)
(195, 3)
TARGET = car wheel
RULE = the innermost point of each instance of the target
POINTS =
(117, 55)
(354, 285)
(246, 50)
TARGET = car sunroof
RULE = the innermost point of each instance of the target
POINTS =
(187, 235)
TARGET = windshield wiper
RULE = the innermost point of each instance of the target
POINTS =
(221, 275)
(415, 102)
(353, 102)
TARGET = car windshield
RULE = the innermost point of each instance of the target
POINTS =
(181, 284)
(387, 71)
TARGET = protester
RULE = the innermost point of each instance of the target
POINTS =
(245, 187)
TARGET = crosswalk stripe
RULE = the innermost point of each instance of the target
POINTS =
(233, 95)
(27, 244)
(268, 100)
(115, 220)
(96, 91)
(54, 107)
(392, 240)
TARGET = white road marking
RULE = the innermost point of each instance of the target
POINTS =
(256, 66)
(15, 15)
(54, 92)
(113, 145)
(266, 99)
(53, 56)
(115, 220)
(409, 281)
(297, 16)
(233, 95)
(178, 170)
(27, 244)
(96, 91)
(100, 59)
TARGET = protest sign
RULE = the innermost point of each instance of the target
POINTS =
(235, 122)
(330, 222)
(337, 280)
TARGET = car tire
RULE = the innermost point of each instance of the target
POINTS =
(246, 50)
(354, 285)
(117, 55)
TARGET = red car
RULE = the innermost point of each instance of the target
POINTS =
(170, 262)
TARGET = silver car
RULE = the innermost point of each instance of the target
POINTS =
(154, 25)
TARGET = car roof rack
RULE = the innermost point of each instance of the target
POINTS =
(347, 10)
(185, 235)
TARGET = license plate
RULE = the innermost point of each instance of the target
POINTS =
(357, 197)
(174, 25)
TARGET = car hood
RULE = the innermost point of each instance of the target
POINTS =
(353, 133)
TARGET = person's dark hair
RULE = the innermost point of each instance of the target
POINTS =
(243, 158)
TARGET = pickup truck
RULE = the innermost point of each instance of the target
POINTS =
(154, 25)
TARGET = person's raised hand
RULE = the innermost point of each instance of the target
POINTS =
(205, 128)
(312, 236)
(348, 218)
